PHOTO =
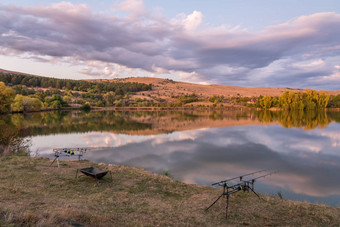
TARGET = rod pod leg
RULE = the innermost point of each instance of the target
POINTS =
(214, 202)
(53, 161)
(226, 208)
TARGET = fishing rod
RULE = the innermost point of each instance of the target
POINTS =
(271, 173)
(241, 177)
(244, 185)
(252, 181)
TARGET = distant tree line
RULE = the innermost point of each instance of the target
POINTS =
(25, 93)
(120, 88)
(10, 101)
(289, 100)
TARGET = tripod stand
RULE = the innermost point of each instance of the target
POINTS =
(244, 185)
(228, 190)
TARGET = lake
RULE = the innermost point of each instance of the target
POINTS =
(200, 147)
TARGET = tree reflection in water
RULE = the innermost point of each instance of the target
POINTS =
(10, 141)
(15, 126)
(297, 119)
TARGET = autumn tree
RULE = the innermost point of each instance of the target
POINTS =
(309, 100)
(323, 99)
(109, 98)
(31, 104)
(6, 98)
(18, 104)
(266, 102)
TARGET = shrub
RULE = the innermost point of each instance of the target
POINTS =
(85, 107)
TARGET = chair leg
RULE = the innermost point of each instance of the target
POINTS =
(111, 176)
(97, 183)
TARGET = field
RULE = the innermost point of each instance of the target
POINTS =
(34, 194)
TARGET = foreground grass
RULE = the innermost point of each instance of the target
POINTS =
(34, 194)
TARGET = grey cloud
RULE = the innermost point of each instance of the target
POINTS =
(67, 30)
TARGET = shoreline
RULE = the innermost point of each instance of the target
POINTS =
(227, 108)
(32, 193)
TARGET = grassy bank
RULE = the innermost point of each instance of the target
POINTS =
(34, 194)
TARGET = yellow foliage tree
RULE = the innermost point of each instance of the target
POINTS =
(18, 105)
(6, 98)
(266, 102)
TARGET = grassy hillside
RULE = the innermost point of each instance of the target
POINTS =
(169, 86)
(34, 194)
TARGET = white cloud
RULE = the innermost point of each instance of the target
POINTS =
(314, 63)
(159, 69)
(333, 77)
(192, 21)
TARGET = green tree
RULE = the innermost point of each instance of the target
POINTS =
(31, 104)
(56, 101)
(334, 102)
(109, 98)
(216, 99)
(85, 107)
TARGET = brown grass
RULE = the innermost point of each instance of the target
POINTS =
(165, 88)
(34, 194)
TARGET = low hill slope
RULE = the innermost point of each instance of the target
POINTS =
(166, 89)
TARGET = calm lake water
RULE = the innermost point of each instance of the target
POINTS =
(202, 147)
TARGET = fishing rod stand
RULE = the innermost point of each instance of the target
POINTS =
(244, 185)
(68, 152)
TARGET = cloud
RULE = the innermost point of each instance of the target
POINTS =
(136, 8)
(296, 53)
(192, 21)
(307, 161)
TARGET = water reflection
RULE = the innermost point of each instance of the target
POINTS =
(300, 119)
(309, 162)
(10, 141)
(160, 122)
(205, 147)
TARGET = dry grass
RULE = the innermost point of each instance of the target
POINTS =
(165, 87)
(168, 90)
(34, 194)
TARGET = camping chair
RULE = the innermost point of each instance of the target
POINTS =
(95, 173)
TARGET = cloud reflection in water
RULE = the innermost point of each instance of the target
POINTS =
(308, 161)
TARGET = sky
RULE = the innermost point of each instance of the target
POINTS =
(255, 43)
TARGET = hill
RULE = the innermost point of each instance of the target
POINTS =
(168, 89)
(15, 72)
(145, 92)
(175, 88)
